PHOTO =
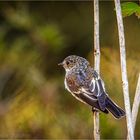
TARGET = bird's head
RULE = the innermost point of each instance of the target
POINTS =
(74, 61)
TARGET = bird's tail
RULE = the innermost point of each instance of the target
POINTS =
(116, 111)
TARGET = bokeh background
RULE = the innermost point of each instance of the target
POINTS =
(34, 38)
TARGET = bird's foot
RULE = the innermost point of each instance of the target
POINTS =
(94, 110)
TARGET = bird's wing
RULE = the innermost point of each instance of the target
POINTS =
(89, 85)
(94, 88)
(74, 83)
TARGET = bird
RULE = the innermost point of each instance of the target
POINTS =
(86, 85)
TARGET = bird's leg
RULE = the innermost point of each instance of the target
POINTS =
(94, 109)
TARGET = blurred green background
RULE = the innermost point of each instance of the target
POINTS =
(34, 38)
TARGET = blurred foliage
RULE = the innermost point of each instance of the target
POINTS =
(34, 38)
(129, 8)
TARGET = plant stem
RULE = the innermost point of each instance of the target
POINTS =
(136, 104)
(124, 70)
(96, 131)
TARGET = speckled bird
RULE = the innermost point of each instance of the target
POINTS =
(85, 84)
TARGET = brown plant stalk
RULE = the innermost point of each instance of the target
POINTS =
(96, 131)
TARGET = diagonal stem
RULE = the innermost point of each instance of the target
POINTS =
(136, 104)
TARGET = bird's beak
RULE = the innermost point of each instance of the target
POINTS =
(60, 64)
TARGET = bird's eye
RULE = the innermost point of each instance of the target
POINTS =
(67, 63)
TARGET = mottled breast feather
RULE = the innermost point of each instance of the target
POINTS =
(72, 83)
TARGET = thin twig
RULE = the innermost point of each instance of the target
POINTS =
(136, 104)
(96, 64)
(124, 70)
(96, 37)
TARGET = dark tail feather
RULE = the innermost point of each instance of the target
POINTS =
(116, 111)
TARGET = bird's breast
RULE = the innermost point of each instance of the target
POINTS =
(66, 85)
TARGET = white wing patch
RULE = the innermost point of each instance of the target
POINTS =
(93, 83)
(93, 99)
